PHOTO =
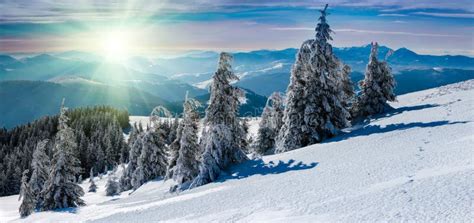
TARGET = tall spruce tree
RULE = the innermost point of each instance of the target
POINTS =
(127, 175)
(93, 186)
(187, 166)
(152, 161)
(28, 203)
(376, 88)
(112, 187)
(40, 169)
(60, 190)
(174, 151)
(315, 105)
(270, 123)
(220, 141)
(346, 87)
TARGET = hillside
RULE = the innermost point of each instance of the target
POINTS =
(411, 164)
(25, 101)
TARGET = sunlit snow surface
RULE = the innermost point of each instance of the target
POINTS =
(412, 164)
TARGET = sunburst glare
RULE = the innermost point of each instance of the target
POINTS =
(116, 45)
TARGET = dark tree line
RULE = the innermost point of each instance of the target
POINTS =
(99, 137)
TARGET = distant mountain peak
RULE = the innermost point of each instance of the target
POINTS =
(6, 59)
(404, 50)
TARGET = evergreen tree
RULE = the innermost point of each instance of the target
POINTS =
(186, 167)
(91, 175)
(126, 178)
(93, 186)
(18, 144)
(112, 187)
(174, 151)
(29, 202)
(133, 134)
(315, 105)
(40, 167)
(220, 137)
(60, 191)
(270, 123)
(173, 130)
(376, 88)
(152, 161)
(244, 140)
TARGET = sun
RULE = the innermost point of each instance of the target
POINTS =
(116, 45)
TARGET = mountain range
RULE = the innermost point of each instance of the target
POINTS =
(32, 87)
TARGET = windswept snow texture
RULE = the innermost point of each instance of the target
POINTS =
(412, 164)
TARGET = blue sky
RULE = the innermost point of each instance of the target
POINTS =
(153, 27)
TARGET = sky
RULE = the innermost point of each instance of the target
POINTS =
(153, 27)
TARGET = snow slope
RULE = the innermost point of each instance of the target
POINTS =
(412, 164)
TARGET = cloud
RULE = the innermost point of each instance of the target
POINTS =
(369, 32)
(448, 15)
(392, 15)
(50, 11)
(292, 28)
(396, 33)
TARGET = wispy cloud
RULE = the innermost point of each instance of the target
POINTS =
(369, 32)
(237, 24)
(392, 15)
(48, 10)
(291, 28)
(448, 15)
(396, 33)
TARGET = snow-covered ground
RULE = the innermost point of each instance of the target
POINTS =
(412, 164)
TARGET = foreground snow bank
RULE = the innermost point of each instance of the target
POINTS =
(412, 164)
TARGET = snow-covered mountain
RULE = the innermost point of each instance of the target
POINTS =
(411, 164)
(267, 71)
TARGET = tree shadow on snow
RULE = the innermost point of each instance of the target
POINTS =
(67, 210)
(259, 167)
(374, 129)
(390, 111)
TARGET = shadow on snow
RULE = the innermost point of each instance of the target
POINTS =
(374, 129)
(259, 167)
(390, 111)
(72, 210)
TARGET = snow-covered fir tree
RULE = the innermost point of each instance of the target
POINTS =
(315, 105)
(220, 140)
(244, 130)
(135, 150)
(133, 134)
(91, 175)
(346, 87)
(173, 130)
(174, 151)
(60, 191)
(92, 186)
(112, 187)
(152, 161)
(187, 166)
(376, 88)
(40, 169)
(28, 203)
(88, 123)
(270, 124)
